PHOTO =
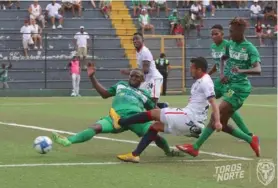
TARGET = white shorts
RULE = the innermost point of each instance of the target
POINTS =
(57, 16)
(154, 86)
(38, 17)
(27, 42)
(178, 121)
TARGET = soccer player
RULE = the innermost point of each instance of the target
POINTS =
(145, 61)
(218, 49)
(4, 75)
(242, 59)
(128, 100)
(176, 120)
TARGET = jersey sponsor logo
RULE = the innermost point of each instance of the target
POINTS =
(141, 95)
(242, 56)
(217, 55)
(150, 85)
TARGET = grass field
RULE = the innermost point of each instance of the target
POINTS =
(93, 164)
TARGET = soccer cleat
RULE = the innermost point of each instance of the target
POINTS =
(59, 139)
(255, 145)
(174, 153)
(188, 148)
(115, 117)
(129, 158)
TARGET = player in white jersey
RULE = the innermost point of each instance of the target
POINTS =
(187, 121)
(153, 78)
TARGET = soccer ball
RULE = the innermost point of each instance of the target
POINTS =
(42, 144)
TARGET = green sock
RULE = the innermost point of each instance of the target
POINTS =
(204, 136)
(82, 136)
(239, 134)
(239, 122)
(163, 144)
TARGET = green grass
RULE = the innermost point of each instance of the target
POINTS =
(156, 170)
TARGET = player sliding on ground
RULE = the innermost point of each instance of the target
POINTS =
(128, 100)
(218, 49)
(176, 120)
(153, 78)
(243, 59)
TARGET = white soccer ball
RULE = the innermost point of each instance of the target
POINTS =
(43, 144)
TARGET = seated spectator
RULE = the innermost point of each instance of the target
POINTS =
(275, 30)
(242, 4)
(105, 7)
(196, 12)
(72, 5)
(173, 19)
(268, 32)
(208, 6)
(183, 3)
(26, 37)
(93, 3)
(188, 23)
(136, 7)
(145, 22)
(218, 4)
(161, 4)
(9, 4)
(145, 4)
(269, 12)
(35, 12)
(256, 11)
(178, 30)
(36, 34)
(259, 32)
(53, 13)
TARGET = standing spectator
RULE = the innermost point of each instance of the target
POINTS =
(35, 12)
(159, 4)
(74, 66)
(259, 32)
(208, 6)
(4, 75)
(145, 22)
(163, 66)
(26, 31)
(196, 12)
(53, 13)
(173, 19)
(105, 7)
(81, 41)
(269, 12)
(256, 11)
(36, 34)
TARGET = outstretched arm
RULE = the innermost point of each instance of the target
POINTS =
(99, 88)
(212, 70)
(255, 70)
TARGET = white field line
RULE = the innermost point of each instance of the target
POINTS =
(108, 163)
(24, 104)
(115, 140)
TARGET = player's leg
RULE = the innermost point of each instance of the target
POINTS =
(155, 92)
(77, 85)
(5, 85)
(102, 126)
(73, 77)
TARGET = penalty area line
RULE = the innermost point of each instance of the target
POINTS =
(107, 163)
(117, 140)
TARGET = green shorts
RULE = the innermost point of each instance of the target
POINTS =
(219, 88)
(107, 127)
(236, 94)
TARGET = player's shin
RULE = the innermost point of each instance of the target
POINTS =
(237, 133)
(150, 136)
(137, 118)
(82, 136)
(206, 132)
(163, 144)
(239, 122)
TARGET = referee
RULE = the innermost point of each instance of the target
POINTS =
(163, 66)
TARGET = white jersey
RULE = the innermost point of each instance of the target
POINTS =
(36, 11)
(201, 91)
(146, 55)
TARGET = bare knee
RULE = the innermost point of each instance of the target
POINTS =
(97, 128)
(155, 113)
(157, 126)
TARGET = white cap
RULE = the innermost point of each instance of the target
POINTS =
(256, 1)
(81, 27)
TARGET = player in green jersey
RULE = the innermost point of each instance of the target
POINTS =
(4, 75)
(242, 59)
(218, 49)
(128, 100)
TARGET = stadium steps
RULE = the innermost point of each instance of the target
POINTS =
(121, 20)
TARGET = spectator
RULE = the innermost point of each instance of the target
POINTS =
(242, 4)
(269, 12)
(196, 12)
(208, 6)
(145, 22)
(144, 4)
(105, 7)
(81, 41)
(178, 30)
(218, 4)
(163, 66)
(35, 12)
(188, 23)
(4, 75)
(259, 32)
(136, 7)
(9, 4)
(161, 4)
(72, 5)
(256, 11)
(275, 30)
(74, 67)
(268, 32)
(26, 31)
(93, 3)
(36, 34)
(183, 3)
(173, 19)
(53, 13)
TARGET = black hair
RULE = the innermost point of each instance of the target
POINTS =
(237, 21)
(217, 26)
(140, 34)
(162, 55)
(200, 62)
